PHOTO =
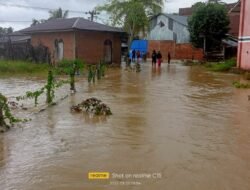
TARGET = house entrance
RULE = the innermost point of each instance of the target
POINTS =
(108, 51)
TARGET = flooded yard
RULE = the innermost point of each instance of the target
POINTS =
(185, 124)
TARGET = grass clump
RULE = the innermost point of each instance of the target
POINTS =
(8, 67)
(247, 75)
(222, 66)
(238, 84)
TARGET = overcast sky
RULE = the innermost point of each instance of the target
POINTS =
(9, 14)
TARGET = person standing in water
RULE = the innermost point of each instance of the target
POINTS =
(159, 58)
(154, 58)
(169, 57)
(133, 55)
(138, 55)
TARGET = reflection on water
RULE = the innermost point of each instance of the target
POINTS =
(188, 124)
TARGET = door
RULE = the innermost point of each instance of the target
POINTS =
(108, 51)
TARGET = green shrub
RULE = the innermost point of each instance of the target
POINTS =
(238, 84)
(65, 66)
(22, 67)
(222, 66)
(247, 75)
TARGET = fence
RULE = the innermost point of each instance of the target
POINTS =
(177, 51)
(24, 51)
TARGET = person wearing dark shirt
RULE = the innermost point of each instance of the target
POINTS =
(169, 57)
(133, 55)
(159, 58)
(154, 58)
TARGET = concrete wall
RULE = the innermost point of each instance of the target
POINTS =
(243, 60)
(164, 33)
(177, 51)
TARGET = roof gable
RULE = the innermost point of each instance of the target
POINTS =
(180, 19)
(183, 20)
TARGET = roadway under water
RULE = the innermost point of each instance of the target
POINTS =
(188, 125)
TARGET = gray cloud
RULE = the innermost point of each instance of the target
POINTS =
(8, 13)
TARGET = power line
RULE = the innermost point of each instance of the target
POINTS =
(37, 8)
(21, 21)
(93, 14)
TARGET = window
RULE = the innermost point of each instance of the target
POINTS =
(170, 24)
(161, 24)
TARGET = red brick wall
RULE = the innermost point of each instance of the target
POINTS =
(90, 46)
(234, 24)
(48, 39)
(177, 51)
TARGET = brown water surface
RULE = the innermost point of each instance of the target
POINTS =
(188, 125)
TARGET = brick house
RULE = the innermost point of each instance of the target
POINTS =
(73, 38)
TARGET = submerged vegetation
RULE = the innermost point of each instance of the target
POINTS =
(6, 117)
(65, 67)
(238, 84)
(96, 71)
(222, 66)
(92, 105)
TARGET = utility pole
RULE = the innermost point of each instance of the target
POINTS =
(92, 14)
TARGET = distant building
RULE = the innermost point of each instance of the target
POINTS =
(169, 27)
(233, 13)
(244, 36)
(73, 38)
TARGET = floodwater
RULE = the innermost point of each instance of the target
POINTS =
(180, 128)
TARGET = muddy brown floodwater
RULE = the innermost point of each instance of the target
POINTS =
(188, 127)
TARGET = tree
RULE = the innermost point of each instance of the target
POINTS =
(35, 21)
(4, 31)
(214, 1)
(132, 15)
(136, 20)
(209, 21)
(58, 13)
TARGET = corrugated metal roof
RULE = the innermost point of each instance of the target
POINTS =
(181, 19)
(69, 24)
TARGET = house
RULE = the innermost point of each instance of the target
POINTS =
(74, 38)
(169, 34)
(233, 13)
(169, 27)
(244, 37)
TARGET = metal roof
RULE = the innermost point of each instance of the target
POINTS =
(69, 24)
(181, 19)
(177, 18)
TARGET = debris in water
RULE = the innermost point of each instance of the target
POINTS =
(92, 105)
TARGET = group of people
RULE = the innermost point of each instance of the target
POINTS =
(136, 55)
(157, 58)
